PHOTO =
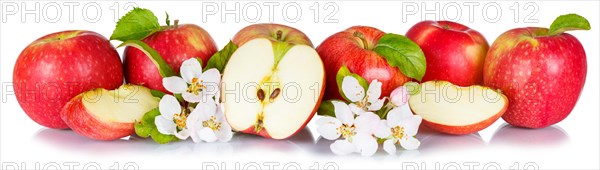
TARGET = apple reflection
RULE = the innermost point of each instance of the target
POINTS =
(511, 135)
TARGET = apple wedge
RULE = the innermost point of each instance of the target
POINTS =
(272, 88)
(108, 115)
(457, 110)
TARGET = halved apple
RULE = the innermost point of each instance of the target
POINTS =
(457, 110)
(272, 86)
(108, 115)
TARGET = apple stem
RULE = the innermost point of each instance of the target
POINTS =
(362, 39)
(279, 34)
(176, 23)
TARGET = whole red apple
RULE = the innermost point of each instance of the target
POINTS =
(353, 48)
(454, 52)
(541, 71)
(59, 66)
(175, 44)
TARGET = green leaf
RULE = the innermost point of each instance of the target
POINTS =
(137, 24)
(168, 21)
(326, 108)
(403, 53)
(343, 72)
(568, 22)
(157, 93)
(147, 128)
(220, 59)
(163, 68)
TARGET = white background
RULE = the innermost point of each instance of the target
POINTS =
(570, 144)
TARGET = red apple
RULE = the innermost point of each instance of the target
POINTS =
(57, 67)
(108, 115)
(454, 52)
(542, 71)
(273, 83)
(353, 48)
(175, 44)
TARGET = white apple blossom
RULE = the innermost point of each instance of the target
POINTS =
(173, 119)
(193, 85)
(400, 127)
(207, 123)
(356, 133)
(361, 103)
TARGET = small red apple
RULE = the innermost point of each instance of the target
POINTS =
(57, 67)
(353, 48)
(542, 71)
(175, 44)
(454, 52)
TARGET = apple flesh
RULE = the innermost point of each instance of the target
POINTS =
(542, 75)
(175, 44)
(453, 52)
(108, 115)
(57, 67)
(353, 48)
(272, 87)
(457, 110)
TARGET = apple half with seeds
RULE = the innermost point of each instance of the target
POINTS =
(457, 110)
(273, 83)
(108, 115)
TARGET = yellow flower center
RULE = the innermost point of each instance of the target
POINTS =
(398, 132)
(346, 131)
(364, 103)
(212, 123)
(196, 86)
(180, 119)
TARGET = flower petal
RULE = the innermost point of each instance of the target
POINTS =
(399, 96)
(343, 113)
(165, 126)
(375, 106)
(366, 123)
(328, 119)
(183, 134)
(382, 130)
(211, 78)
(411, 125)
(329, 130)
(193, 120)
(342, 147)
(191, 97)
(206, 110)
(389, 146)
(224, 134)
(207, 135)
(410, 143)
(352, 89)
(365, 143)
(355, 109)
(174, 84)
(394, 117)
(374, 91)
(169, 106)
(195, 135)
(190, 69)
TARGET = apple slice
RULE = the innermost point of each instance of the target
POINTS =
(272, 89)
(457, 110)
(108, 115)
